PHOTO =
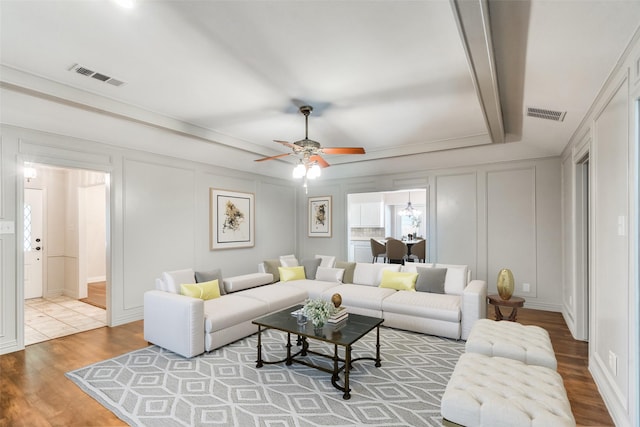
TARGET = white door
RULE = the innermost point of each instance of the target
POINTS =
(33, 247)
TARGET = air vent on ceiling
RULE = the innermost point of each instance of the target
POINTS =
(542, 113)
(98, 76)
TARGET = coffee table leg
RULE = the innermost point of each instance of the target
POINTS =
(259, 361)
(289, 362)
(498, 313)
(514, 313)
(335, 376)
(378, 364)
(347, 367)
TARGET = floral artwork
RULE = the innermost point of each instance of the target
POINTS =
(231, 219)
(320, 216)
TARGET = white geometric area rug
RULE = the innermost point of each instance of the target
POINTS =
(155, 387)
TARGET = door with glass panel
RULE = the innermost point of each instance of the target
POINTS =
(33, 245)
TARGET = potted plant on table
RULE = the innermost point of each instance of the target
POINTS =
(318, 311)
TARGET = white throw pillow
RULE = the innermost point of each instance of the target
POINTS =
(327, 274)
(289, 261)
(370, 274)
(456, 279)
(173, 279)
(327, 261)
(410, 267)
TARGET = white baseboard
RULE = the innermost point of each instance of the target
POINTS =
(612, 398)
(96, 279)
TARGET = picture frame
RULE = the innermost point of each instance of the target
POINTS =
(320, 216)
(231, 219)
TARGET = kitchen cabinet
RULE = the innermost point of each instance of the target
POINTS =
(360, 251)
(368, 214)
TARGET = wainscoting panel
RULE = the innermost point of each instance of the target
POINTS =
(511, 226)
(158, 223)
(456, 222)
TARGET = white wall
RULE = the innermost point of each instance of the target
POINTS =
(159, 220)
(487, 217)
(610, 135)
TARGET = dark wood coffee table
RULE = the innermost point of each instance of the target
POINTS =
(344, 335)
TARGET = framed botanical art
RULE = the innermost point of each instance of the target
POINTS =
(231, 219)
(320, 216)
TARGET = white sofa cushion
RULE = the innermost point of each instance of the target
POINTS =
(423, 304)
(456, 280)
(231, 310)
(277, 296)
(371, 274)
(365, 297)
(313, 288)
(326, 274)
(173, 279)
(410, 267)
(246, 281)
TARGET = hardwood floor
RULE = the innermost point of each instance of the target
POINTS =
(96, 294)
(34, 391)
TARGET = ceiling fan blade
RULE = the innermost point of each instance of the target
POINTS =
(321, 162)
(343, 150)
(272, 157)
(287, 144)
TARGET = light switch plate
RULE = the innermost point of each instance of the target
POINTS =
(7, 227)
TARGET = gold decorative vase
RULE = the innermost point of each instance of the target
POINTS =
(505, 284)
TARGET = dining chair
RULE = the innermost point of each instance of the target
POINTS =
(396, 251)
(378, 250)
(418, 251)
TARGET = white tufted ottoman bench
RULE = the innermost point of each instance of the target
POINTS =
(528, 344)
(499, 392)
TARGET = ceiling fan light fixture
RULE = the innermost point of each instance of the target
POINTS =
(300, 170)
(314, 171)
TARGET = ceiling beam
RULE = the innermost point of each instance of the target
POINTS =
(472, 18)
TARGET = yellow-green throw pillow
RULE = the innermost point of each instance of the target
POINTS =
(203, 290)
(291, 273)
(399, 281)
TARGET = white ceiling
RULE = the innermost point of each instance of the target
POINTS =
(217, 81)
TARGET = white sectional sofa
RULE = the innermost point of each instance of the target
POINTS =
(190, 326)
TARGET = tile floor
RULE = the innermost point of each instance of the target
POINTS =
(47, 318)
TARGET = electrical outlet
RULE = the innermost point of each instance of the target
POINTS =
(613, 362)
(526, 287)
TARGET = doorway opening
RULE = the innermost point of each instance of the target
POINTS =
(65, 251)
(582, 249)
(382, 215)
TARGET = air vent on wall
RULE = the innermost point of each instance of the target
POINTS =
(542, 113)
(98, 76)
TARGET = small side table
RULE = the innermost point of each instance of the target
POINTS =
(513, 302)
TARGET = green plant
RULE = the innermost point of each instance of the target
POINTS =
(318, 311)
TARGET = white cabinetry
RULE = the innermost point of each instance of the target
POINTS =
(360, 251)
(368, 214)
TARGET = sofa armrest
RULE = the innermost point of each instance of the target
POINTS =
(474, 305)
(174, 322)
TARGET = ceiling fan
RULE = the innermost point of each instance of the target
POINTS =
(310, 151)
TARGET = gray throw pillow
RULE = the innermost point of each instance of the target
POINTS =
(431, 280)
(271, 266)
(207, 276)
(310, 267)
(349, 268)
